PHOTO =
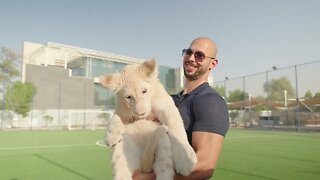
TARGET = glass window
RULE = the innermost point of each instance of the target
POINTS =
(100, 67)
(166, 76)
(78, 67)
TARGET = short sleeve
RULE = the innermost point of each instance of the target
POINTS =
(210, 112)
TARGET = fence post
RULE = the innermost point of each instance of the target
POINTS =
(3, 98)
(31, 113)
(84, 105)
(297, 98)
(268, 98)
(59, 105)
(243, 101)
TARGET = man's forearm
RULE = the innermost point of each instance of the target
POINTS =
(195, 175)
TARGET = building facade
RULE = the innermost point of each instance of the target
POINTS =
(68, 92)
(66, 77)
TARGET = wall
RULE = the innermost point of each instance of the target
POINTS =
(56, 90)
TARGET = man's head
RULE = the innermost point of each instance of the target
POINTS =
(199, 58)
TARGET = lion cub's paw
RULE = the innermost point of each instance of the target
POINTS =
(184, 158)
(114, 135)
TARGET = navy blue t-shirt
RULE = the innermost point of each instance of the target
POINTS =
(203, 109)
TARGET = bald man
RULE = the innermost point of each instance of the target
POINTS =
(203, 110)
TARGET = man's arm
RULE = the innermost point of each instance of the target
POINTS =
(207, 147)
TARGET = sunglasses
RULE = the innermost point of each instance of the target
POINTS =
(198, 55)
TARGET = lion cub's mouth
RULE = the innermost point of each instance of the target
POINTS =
(139, 116)
(136, 117)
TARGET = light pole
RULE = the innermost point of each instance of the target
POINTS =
(274, 68)
(225, 87)
(268, 101)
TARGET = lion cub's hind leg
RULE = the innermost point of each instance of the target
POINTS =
(163, 165)
(158, 155)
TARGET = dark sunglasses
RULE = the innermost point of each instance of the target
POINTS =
(198, 55)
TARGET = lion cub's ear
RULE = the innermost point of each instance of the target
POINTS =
(112, 81)
(149, 69)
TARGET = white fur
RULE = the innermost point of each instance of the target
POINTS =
(140, 92)
(134, 152)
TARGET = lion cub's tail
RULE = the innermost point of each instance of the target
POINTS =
(148, 155)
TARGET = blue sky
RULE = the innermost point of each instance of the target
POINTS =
(252, 35)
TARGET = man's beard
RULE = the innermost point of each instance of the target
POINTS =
(196, 75)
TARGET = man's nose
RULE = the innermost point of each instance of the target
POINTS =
(191, 57)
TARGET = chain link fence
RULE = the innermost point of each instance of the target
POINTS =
(56, 119)
(282, 98)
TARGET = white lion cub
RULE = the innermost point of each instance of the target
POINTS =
(140, 92)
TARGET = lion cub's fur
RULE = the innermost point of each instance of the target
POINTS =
(140, 92)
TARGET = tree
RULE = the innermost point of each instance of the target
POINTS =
(220, 90)
(8, 69)
(308, 95)
(8, 65)
(237, 95)
(19, 97)
(317, 94)
(277, 88)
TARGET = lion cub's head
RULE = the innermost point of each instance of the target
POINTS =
(134, 88)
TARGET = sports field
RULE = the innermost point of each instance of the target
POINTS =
(68, 155)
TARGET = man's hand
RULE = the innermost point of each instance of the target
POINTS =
(137, 175)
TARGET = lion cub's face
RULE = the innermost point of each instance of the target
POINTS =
(136, 94)
(134, 87)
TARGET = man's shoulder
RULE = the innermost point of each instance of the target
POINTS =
(208, 97)
(203, 93)
(209, 93)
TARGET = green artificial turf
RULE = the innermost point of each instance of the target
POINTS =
(68, 155)
(269, 155)
(53, 155)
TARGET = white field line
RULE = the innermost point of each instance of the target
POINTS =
(101, 143)
(44, 147)
(252, 136)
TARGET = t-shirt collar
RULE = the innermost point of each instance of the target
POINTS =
(196, 90)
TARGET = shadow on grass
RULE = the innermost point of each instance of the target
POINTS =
(62, 167)
(247, 174)
(274, 156)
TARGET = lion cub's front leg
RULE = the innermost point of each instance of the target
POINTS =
(114, 131)
(184, 157)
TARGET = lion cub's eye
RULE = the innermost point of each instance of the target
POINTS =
(128, 97)
(144, 91)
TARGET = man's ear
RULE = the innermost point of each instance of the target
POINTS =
(149, 69)
(112, 82)
(213, 64)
